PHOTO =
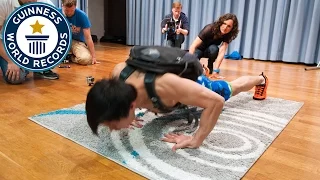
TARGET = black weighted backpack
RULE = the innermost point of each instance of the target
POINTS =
(157, 60)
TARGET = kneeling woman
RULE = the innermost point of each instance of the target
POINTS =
(220, 32)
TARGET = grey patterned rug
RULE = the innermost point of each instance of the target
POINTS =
(243, 132)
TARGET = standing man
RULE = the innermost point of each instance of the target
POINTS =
(12, 73)
(82, 46)
(176, 25)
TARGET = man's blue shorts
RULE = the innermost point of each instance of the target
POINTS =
(221, 87)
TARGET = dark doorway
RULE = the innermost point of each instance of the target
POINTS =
(115, 21)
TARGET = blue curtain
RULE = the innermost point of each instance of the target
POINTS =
(59, 3)
(277, 30)
(83, 5)
(55, 2)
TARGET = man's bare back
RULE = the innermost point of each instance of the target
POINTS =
(137, 80)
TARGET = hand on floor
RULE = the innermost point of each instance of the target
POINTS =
(181, 140)
(216, 76)
(94, 61)
(136, 123)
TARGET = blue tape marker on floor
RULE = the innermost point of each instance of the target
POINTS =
(62, 112)
(134, 154)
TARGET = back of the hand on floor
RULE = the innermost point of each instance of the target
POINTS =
(216, 76)
(181, 140)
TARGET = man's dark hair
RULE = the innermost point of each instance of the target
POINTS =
(108, 100)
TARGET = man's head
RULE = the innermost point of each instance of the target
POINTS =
(69, 7)
(176, 9)
(110, 102)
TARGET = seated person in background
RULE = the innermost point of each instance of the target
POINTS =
(179, 26)
(224, 30)
(112, 102)
(11, 72)
(82, 45)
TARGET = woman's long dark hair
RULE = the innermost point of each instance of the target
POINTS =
(232, 34)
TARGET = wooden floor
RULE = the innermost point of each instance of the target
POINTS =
(29, 151)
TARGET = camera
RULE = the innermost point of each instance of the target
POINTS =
(171, 27)
(90, 80)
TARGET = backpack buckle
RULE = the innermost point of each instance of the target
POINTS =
(179, 59)
(155, 102)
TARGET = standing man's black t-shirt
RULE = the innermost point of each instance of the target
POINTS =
(206, 36)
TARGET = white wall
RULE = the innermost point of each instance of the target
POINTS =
(96, 16)
(95, 11)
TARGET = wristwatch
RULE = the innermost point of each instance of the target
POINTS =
(216, 70)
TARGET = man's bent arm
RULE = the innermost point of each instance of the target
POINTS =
(208, 120)
(191, 93)
(88, 39)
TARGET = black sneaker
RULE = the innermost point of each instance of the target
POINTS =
(47, 75)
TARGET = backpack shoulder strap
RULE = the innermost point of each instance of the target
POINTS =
(126, 72)
(156, 101)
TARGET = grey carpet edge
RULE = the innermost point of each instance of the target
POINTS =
(293, 115)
